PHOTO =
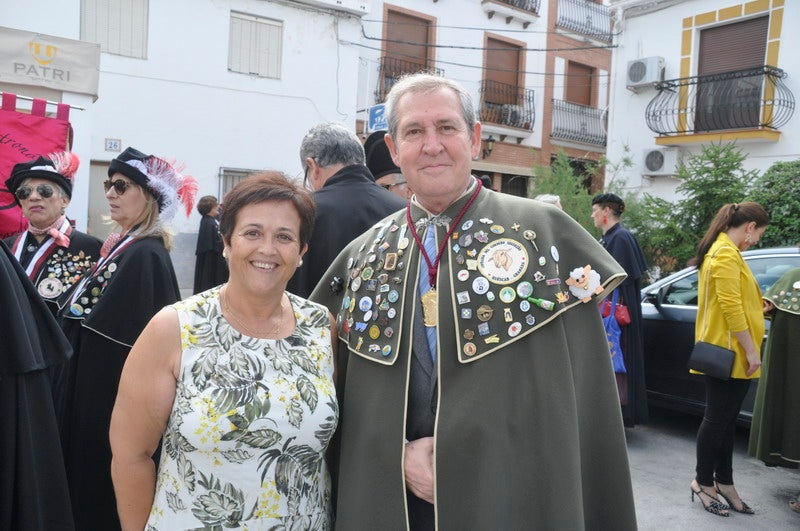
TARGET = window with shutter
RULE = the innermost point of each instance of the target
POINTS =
(255, 45)
(729, 102)
(579, 82)
(503, 98)
(119, 26)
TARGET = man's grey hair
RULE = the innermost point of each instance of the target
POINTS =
(332, 143)
(426, 83)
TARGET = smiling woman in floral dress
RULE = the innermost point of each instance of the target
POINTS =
(237, 383)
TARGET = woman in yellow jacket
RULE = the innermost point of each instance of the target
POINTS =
(730, 315)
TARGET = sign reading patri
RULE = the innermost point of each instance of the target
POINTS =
(377, 118)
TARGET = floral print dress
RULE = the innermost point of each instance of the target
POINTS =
(245, 443)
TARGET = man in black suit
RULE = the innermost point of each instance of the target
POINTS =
(348, 200)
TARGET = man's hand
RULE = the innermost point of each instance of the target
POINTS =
(418, 468)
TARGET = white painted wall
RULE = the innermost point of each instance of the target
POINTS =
(659, 34)
(182, 104)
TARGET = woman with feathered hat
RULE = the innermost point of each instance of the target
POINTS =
(133, 279)
(54, 255)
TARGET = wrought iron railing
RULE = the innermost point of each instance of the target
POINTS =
(390, 71)
(506, 104)
(585, 17)
(751, 98)
(579, 123)
(526, 5)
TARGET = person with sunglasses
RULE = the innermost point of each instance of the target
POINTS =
(133, 279)
(53, 254)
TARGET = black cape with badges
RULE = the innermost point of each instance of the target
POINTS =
(622, 245)
(33, 481)
(135, 285)
(528, 431)
(348, 204)
(67, 264)
(210, 268)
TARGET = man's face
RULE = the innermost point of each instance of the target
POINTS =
(434, 147)
(395, 183)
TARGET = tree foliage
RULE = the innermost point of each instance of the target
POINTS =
(778, 190)
(560, 179)
(669, 232)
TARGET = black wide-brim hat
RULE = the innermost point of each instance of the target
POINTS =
(379, 160)
(126, 164)
(41, 168)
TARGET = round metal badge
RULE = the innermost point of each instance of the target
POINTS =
(524, 289)
(503, 261)
(50, 288)
(480, 285)
(364, 304)
(507, 294)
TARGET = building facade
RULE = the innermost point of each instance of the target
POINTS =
(691, 72)
(228, 87)
(537, 69)
(224, 87)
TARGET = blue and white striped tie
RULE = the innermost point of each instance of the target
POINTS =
(424, 282)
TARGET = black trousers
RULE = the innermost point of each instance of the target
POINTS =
(716, 434)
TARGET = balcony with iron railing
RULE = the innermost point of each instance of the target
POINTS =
(751, 99)
(507, 105)
(586, 18)
(573, 122)
(526, 11)
(390, 71)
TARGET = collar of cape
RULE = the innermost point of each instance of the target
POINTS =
(495, 287)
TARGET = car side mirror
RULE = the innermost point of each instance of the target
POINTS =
(658, 297)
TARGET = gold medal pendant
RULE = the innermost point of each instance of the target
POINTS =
(430, 307)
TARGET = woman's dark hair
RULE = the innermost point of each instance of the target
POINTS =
(612, 201)
(206, 204)
(268, 186)
(731, 215)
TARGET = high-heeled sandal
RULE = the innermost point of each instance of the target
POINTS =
(714, 505)
(745, 508)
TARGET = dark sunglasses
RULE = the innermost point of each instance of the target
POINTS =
(119, 185)
(44, 190)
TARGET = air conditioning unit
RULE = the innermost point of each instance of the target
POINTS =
(663, 161)
(645, 72)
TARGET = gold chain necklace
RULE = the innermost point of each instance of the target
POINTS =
(239, 322)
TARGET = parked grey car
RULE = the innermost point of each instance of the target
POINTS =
(669, 310)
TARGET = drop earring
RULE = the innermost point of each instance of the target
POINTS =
(605, 220)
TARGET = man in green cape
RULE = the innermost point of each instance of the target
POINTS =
(474, 374)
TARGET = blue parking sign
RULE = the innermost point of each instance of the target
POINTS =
(377, 118)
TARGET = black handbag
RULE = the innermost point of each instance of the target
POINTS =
(712, 360)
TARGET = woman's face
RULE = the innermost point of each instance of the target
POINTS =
(127, 207)
(598, 213)
(42, 211)
(265, 250)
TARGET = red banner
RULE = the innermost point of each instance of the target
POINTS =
(24, 137)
